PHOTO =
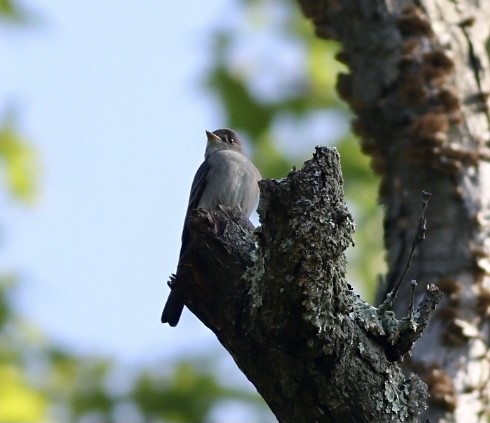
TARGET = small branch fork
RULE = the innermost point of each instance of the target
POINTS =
(402, 334)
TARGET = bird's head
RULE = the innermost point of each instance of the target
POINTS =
(222, 139)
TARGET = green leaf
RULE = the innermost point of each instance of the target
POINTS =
(11, 12)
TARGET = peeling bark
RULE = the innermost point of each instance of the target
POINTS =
(277, 300)
(418, 84)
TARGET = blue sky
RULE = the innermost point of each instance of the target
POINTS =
(108, 93)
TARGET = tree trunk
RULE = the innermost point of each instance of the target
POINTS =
(418, 84)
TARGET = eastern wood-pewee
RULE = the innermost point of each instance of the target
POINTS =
(225, 178)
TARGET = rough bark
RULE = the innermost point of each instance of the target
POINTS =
(418, 84)
(277, 300)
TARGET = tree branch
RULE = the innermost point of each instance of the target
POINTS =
(277, 300)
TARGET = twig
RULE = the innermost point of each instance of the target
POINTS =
(411, 306)
(417, 239)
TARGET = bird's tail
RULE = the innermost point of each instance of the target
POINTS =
(173, 309)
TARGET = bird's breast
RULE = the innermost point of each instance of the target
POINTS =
(232, 181)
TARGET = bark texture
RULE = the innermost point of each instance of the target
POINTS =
(277, 300)
(418, 84)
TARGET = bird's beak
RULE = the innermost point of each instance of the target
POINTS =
(212, 137)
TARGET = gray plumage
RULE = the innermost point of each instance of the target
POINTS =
(225, 178)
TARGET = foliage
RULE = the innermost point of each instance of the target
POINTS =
(12, 13)
(40, 381)
(20, 401)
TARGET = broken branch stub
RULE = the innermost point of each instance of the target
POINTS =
(277, 299)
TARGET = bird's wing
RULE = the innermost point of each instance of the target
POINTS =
(198, 187)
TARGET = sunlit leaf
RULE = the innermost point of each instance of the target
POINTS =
(21, 168)
(18, 401)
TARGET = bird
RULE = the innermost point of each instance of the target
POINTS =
(226, 178)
